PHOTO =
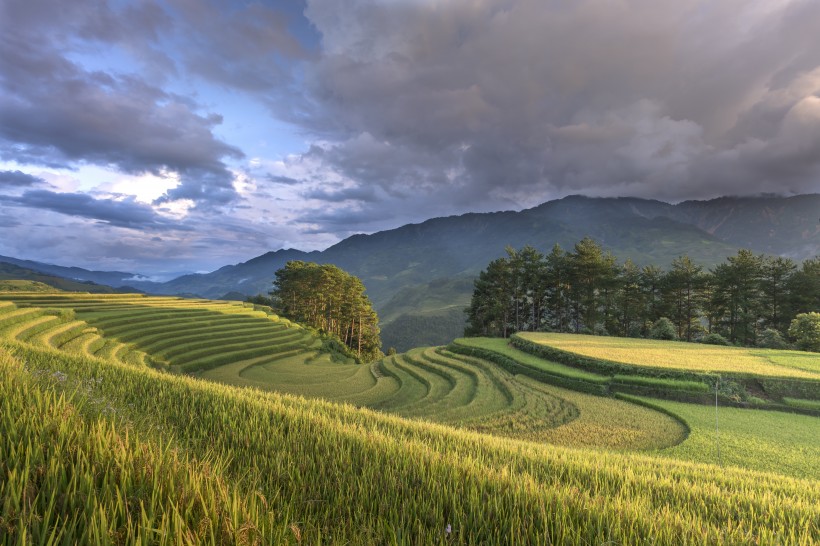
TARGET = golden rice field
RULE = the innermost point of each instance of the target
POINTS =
(97, 452)
(230, 343)
(100, 444)
(678, 355)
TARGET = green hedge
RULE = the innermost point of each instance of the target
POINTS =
(790, 388)
(731, 384)
(516, 368)
(663, 383)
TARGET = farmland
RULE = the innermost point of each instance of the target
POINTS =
(263, 467)
(766, 440)
(319, 449)
(237, 345)
(678, 355)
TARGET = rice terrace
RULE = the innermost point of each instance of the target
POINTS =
(409, 273)
(138, 397)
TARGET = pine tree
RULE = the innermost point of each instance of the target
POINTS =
(683, 282)
(331, 300)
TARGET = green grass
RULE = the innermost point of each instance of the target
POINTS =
(803, 404)
(140, 456)
(768, 441)
(678, 355)
(501, 346)
(660, 383)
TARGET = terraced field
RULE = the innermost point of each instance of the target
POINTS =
(499, 390)
(685, 356)
(135, 454)
(185, 335)
(234, 344)
(58, 329)
(95, 452)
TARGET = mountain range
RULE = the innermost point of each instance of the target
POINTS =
(419, 276)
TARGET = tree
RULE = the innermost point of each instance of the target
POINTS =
(556, 287)
(804, 288)
(771, 339)
(592, 272)
(736, 296)
(652, 279)
(805, 330)
(683, 282)
(586, 291)
(490, 307)
(532, 278)
(663, 329)
(630, 300)
(331, 300)
(775, 275)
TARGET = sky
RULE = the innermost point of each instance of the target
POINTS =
(163, 137)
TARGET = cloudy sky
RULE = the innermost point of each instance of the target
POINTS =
(183, 135)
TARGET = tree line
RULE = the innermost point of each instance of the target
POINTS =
(330, 300)
(747, 300)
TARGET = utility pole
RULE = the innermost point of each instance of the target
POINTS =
(717, 429)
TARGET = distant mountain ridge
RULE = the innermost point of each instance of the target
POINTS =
(425, 269)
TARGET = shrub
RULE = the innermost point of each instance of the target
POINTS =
(771, 339)
(714, 339)
(805, 330)
(663, 329)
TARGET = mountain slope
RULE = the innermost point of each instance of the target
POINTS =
(400, 267)
(38, 279)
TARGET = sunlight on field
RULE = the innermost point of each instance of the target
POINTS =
(769, 441)
(259, 465)
(679, 355)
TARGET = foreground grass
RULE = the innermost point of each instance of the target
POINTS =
(759, 440)
(98, 452)
(678, 355)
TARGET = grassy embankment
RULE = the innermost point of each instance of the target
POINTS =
(96, 451)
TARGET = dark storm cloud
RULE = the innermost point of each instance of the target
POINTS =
(526, 100)
(126, 213)
(278, 179)
(54, 112)
(361, 194)
(242, 47)
(345, 219)
(18, 179)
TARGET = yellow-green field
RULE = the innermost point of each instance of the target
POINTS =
(100, 444)
(96, 452)
(678, 355)
(761, 440)
(233, 344)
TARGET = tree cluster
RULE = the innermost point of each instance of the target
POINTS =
(331, 300)
(587, 290)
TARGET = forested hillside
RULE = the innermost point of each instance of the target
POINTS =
(749, 299)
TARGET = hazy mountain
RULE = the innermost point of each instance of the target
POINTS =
(9, 271)
(110, 278)
(422, 273)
